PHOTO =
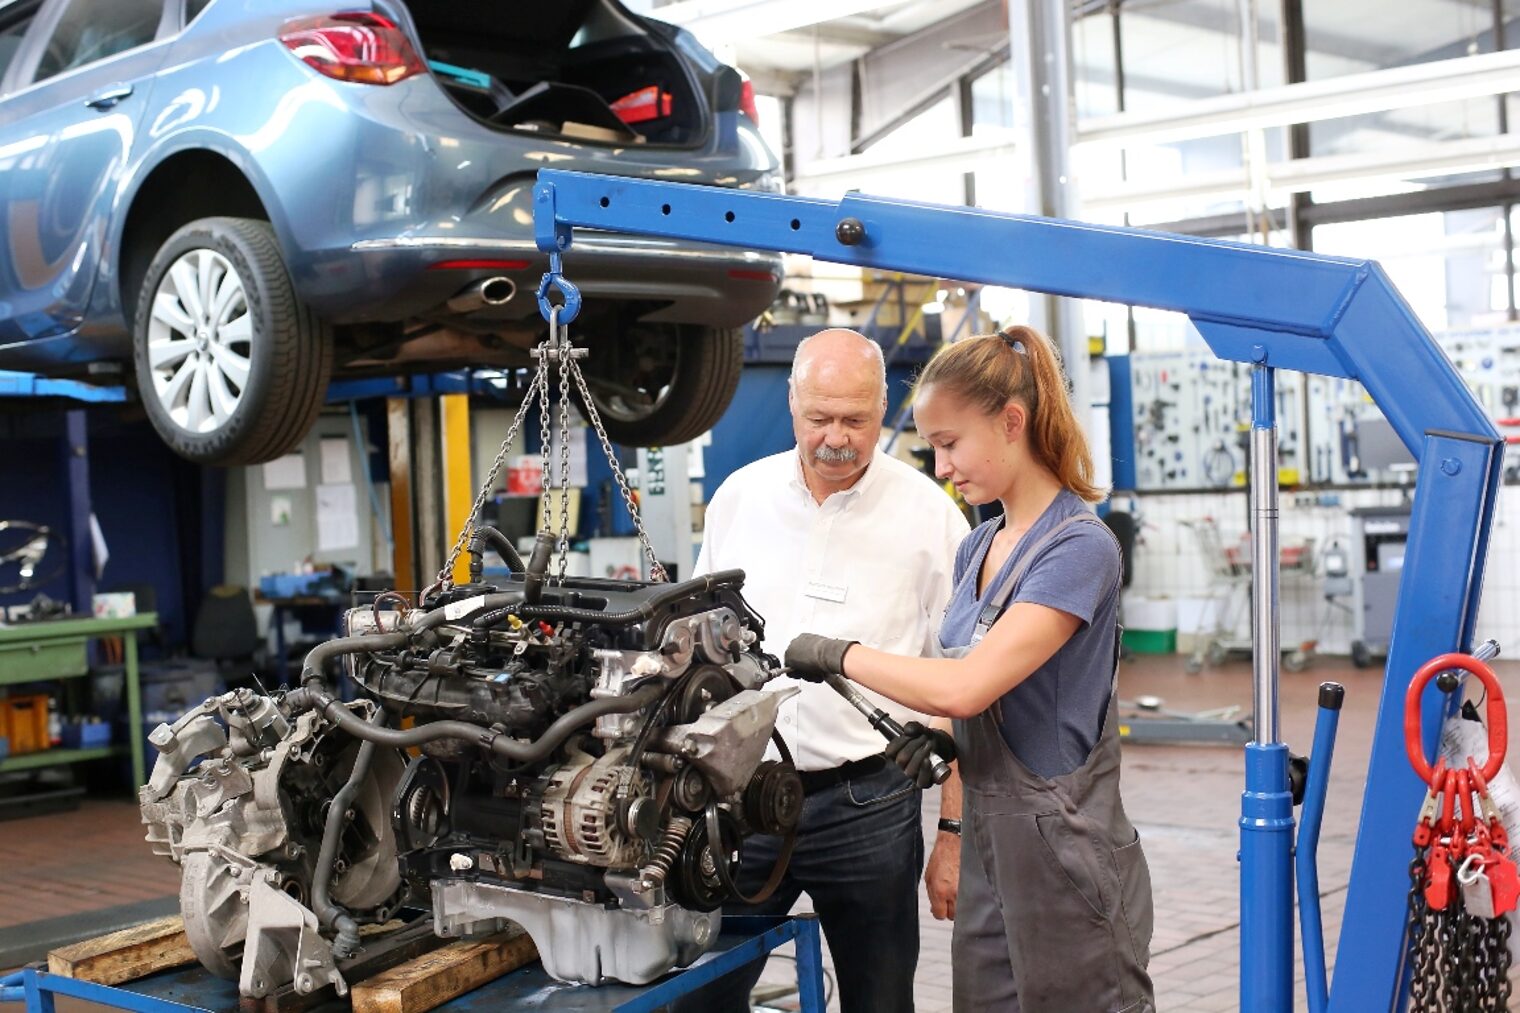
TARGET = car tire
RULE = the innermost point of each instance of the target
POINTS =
(239, 381)
(688, 402)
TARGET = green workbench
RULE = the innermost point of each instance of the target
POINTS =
(58, 649)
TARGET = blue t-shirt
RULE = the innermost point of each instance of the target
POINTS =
(1052, 719)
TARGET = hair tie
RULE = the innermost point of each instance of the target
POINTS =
(1012, 342)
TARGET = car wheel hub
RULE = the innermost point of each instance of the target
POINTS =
(200, 341)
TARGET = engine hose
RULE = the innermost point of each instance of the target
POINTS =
(316, 662)
(315, 696)
(642, 613)
(483, 535)
(538, 566)
(526, 609)
(439, 616)
(330, 914)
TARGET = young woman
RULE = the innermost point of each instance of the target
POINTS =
(1054, 908)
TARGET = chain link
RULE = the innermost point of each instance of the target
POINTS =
(556, 346)
(656, 569)
(445, 576)
(1460, 962)
(566, 363)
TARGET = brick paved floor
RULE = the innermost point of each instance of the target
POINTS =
(1185, 800)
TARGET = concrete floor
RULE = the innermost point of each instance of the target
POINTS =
(1185, 800)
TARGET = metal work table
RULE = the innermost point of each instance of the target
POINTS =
(57, 649)
(743, 941)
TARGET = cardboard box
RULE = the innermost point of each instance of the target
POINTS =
(115, 605)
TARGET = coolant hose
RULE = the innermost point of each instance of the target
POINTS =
(315, 665)
(643, 613)
(538, 566)
(314, 696)
(333, 915)
(485, 534)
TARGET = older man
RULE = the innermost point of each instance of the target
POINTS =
(837, 539)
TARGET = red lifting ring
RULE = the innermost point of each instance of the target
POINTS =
(1498, 719)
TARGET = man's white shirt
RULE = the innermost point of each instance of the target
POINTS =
(873, 563)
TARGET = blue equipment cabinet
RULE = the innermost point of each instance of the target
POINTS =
(1275, 309)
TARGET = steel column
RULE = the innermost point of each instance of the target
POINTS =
(1266, 805)
(458, 486)
(399, 445)
(1040, 61)
(74, 463)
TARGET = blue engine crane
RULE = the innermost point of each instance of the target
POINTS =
(1274, 309)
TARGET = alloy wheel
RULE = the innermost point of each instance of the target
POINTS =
(200, 338)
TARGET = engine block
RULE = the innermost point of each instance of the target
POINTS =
(588, 757)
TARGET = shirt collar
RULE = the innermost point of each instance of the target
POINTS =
(799, 480)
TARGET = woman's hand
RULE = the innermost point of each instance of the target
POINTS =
(813, 658)
(911, 751)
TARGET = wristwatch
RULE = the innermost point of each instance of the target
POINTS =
(950, 826)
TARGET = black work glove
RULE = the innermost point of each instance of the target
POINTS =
(811, 657)
(911, 750)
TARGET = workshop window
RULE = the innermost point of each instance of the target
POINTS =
(10, 42)
(91, 30)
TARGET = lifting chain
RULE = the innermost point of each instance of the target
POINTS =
(556, 349)
(1463, 882)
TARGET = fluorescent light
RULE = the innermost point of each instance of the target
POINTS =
(1443, 158)
(718, 21)
(1349, 95)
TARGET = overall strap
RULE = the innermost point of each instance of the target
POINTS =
(997, 597)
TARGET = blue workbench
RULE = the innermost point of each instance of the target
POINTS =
(742, 941)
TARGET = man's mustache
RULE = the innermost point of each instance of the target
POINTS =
(835, 455)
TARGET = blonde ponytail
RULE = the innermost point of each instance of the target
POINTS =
(1020, 364)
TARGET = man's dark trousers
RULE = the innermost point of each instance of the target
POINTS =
(859, 856)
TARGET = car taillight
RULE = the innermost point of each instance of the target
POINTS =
(357, 46)
(747, 102)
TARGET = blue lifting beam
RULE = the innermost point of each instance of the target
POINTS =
(1275, 309)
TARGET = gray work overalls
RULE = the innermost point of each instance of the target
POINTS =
(1053, 913)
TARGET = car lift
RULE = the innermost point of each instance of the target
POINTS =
(1275, 309)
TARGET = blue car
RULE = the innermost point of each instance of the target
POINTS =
(225, 203)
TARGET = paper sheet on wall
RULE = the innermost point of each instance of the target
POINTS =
(337, 518)
(288, 472)
(335, 466)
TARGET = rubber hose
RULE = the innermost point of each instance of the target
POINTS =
(641, 613)
(538, 566)
(330, 914)
(486, 534)
(437, 616)
(317, 659)
(315, 696)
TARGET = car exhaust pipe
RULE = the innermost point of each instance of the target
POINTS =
(477, 295)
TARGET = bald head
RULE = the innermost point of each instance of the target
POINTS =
(838, 397)
(838, 359)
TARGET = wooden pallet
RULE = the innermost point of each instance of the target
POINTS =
(403, 967)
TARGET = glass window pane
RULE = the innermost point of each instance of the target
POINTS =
(1444, 264)
(91, 31)
(10, 42)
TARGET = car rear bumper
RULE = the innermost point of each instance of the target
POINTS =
(415, 276)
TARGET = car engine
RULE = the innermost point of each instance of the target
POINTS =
(581, 757)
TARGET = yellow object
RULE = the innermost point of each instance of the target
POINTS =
(1287, 476)
(457, 485)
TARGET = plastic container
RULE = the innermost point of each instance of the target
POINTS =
(1151, 641)
(24, 720)
(86, 734)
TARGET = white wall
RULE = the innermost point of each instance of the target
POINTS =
(1168, 560)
